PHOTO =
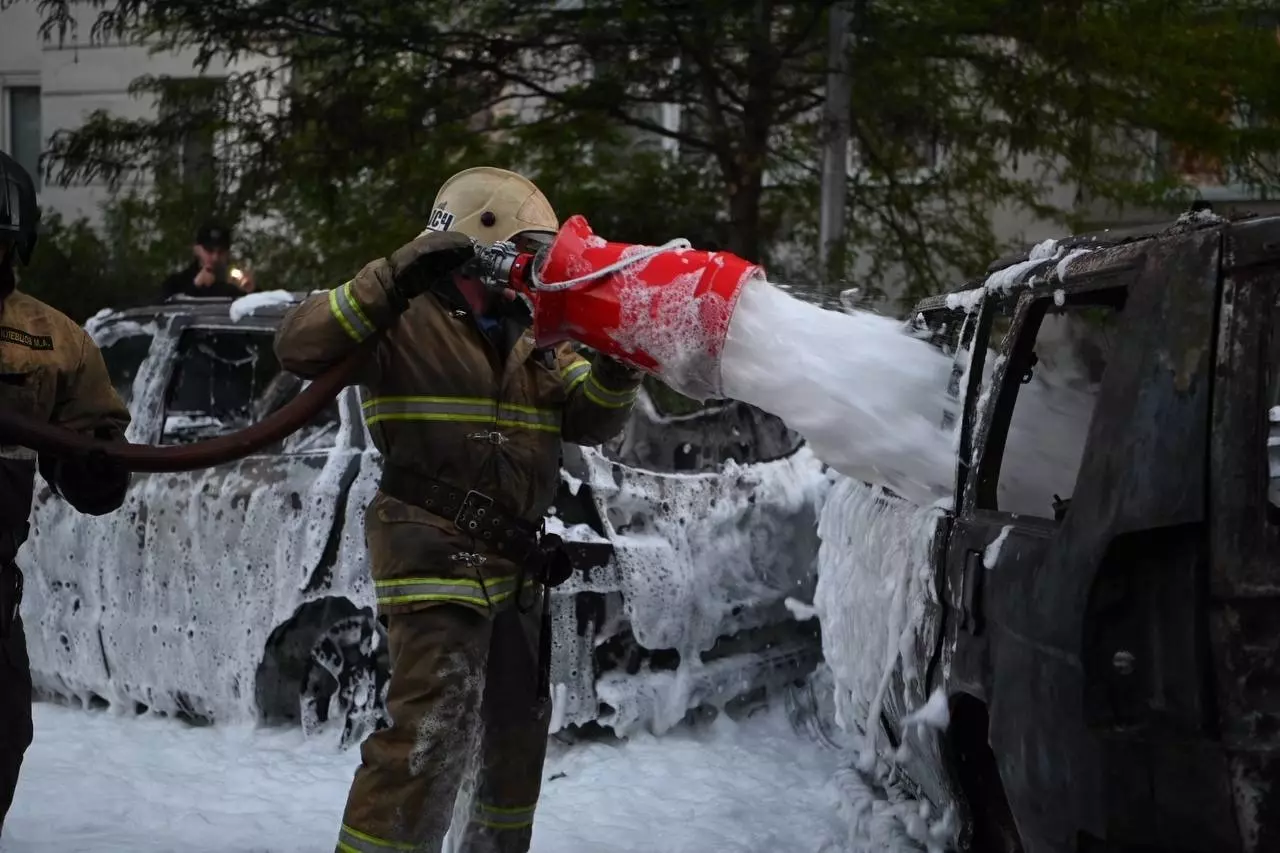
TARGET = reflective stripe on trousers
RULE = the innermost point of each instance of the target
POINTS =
(354, 841)
(478, 410)
(347, 311)
(465, 590)
(499, 817)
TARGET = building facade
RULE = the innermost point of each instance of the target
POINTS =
(49, 85)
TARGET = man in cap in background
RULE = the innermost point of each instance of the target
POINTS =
(209, 273)
(469, 417)
(52, 370)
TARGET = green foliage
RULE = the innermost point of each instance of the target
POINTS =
(81, 268)
(69, 269)
(962, 110)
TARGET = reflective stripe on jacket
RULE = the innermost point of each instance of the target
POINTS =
(441, 398)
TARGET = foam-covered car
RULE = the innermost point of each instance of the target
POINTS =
(243, 591)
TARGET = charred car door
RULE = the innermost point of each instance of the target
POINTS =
(1244, 500)
(1076, 558)
(230, 551)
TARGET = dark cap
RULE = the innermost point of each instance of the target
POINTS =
(213, 236)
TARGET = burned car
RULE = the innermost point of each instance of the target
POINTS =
(243, 591)
(1098, 609)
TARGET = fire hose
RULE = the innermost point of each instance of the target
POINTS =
(500, 266)
(45, 438)
(51, 440)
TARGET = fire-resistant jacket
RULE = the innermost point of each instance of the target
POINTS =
(442, 400)
(52, 370)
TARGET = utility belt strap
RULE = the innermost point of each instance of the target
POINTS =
(11, 539)
(475, 514)
(10, 578)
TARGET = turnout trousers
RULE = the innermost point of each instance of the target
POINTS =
(15, 706)
(470, 711)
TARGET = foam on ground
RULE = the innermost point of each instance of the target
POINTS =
(149, 785)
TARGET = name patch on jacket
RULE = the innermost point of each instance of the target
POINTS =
(25, 339)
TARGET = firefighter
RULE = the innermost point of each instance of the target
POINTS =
(50, 369)
(469, 417)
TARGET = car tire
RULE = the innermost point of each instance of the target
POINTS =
(345, 680)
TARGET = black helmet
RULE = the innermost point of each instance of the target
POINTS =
(19, 214)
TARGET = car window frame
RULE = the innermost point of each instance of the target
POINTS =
(344, 438)
(152, 335)
(980, 494)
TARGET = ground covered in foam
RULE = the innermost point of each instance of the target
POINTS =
(95, 782)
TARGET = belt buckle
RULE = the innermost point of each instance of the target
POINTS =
(472, 511)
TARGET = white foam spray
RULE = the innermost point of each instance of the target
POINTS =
(868, 397)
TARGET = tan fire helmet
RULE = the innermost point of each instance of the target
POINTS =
(491, 205)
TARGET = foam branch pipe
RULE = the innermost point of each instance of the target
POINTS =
(288, 419)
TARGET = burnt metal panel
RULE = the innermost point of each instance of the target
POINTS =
(1244, 583)
(1071, 763)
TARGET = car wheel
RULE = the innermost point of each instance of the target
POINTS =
(345, 680)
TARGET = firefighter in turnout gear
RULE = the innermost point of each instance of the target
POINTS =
(469, 417)
(49, 369)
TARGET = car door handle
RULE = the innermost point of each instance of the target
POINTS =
(971, 616)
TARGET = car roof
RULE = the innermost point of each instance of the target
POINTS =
(1105, 239)
(204, 310)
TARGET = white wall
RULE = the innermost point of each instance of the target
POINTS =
(20, 60)
(75, 78)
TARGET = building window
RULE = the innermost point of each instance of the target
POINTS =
(25, 141)
(192, 106)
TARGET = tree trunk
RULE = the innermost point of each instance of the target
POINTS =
(745, 235)
(746, 185)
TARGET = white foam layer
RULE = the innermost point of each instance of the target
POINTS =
(874, 582)
(246, 305)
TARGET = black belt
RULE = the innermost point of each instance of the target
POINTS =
(475, 514)
(11, 538)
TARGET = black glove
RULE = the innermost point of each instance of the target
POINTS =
(427, 261)
(615, 372)
(92, 483)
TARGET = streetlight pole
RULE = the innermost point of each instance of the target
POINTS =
(831, 211)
